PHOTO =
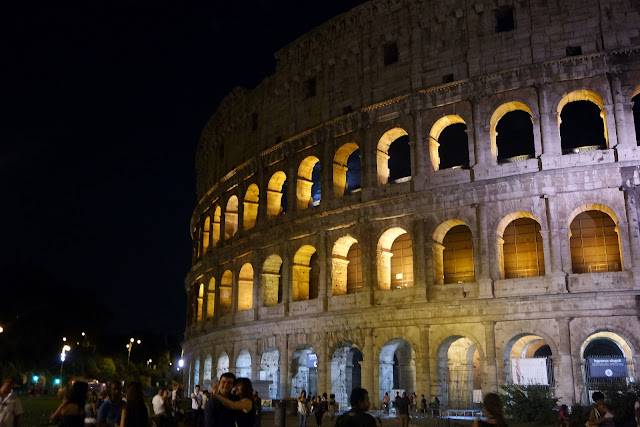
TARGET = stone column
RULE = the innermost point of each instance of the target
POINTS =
(368, 153)
(292, 184)
(419, 153)
(285, 361)
(324, 372)
(419, 257)
(563, 365)
(489, 377)
(485, 283)
(634, 232)
(325, 273)
(549, 131)
(438, 263)
(368, 365)
(287, 264)
(423, 373)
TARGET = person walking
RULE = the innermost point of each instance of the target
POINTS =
(303, 409)
(402, 408)
(197, 408)
(493, 412)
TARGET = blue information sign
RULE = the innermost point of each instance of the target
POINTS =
(607, 367)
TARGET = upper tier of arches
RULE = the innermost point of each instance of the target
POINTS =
(394, 158)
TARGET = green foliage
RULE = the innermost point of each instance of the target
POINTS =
(620, 399)
(579, 415)
(107, 368)
(529, 404)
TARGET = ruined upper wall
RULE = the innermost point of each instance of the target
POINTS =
(340, 66)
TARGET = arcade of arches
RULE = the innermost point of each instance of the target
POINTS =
(457, 369)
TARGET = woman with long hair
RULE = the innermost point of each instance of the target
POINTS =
(243, 408)
(135, 412)
(493, 411)
(70, 413)
(303, 409)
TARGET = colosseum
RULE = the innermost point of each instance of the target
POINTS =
(437, 197)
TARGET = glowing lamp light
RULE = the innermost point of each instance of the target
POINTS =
(139, 342)
(63, 356)
(64, 338)
(56, 381)
(181, 363)
(1, 329)
(35, 378)
(83, 334)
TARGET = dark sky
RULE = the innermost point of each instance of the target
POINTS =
(103, 103)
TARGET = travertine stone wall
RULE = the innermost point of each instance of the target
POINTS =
(434, 329)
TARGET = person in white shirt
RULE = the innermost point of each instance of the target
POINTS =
(10, 406)
(196, 405)
(158, 402)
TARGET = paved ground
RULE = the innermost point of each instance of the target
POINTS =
(267, 420)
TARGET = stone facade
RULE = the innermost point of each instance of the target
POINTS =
(274, 279)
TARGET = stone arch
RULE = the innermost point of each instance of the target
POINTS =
(272, 281)
(443, 157)
(502, 112)
(346, 169)
(270, 371)
(598, 134)
(245, 287)
(453, 253)
(607, 360)
(396, 367)
(459, 371)
(345, 371)
(200, 303)
(346, 266)
(304, 371)
(307, 190)
(520, 248)
(303, 274)
(231, 217)
(383, 157)
(243, 364)
(226, 286)
(211, 298)
(395, 273)
(276, 195)
(196, 372)
(205, 234)
(594, 240)
(223, 364)
(528, 360)
(250, 206)
(216, 225)
(206, 373)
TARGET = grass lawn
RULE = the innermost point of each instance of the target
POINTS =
(37, 410)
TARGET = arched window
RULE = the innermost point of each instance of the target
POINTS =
(346, 267)
(514, 137)
(250, 204)
(216, 225)
(457, 255)
(636, 116)
(308, 189)
(272, 281)
(394, 157)
(512, 132)
(303, 276)
(211, 298)
(346, 169)
(205, 235)
(226, 284)
(522, 250)
(245, 288)
(231, 217)
(594, 242)
(395, 260)
(582, 122)
(200, 302)
(448, 143)
(277, 195)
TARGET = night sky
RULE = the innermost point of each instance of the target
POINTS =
(103, 105)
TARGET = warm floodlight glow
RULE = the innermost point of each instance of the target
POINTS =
(181, 363)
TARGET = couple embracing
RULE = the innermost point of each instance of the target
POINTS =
(227, 409)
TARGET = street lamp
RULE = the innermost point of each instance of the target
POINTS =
(130, 346)
(63, 356)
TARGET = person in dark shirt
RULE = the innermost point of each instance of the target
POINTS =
(243, 410)
(357, 416)
(402, 409)
(215, 413)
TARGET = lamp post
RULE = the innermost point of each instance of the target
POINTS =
(130, 346)
(63, 355)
